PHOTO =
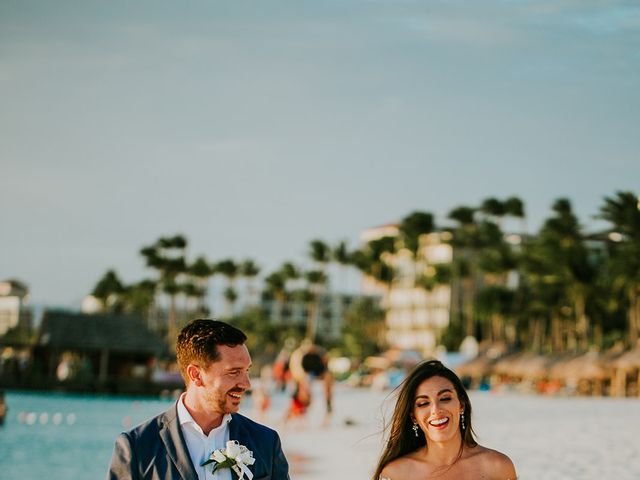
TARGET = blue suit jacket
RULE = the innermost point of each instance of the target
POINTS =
(156, 450)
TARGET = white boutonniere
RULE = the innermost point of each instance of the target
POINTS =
(235, 456)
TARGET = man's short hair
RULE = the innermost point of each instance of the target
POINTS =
(198, 343)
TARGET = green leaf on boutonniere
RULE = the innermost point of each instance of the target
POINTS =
(229, 462)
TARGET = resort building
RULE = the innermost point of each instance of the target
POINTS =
(14, 311)
(295, 311)
(415, 316)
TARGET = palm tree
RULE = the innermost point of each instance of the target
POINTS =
(139, 298)
(412, 227)
(316, 279)
(172, 269)
(291, 274)
(319, 252)
(108, 290)
(565, 257)
(465, 242)
(495, 302)
(230, 297)
(249, 270)
(177, 242)
(340, 254)
(463, 215)
(493, 208)
(230, 270)
(494, 262)
(193, 295)
(623, 212)
(167, 256)
(275, 287)
(514, 207)
(201, 271)
(372, 259)
(544, 301)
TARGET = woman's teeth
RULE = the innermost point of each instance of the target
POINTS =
(437, 423)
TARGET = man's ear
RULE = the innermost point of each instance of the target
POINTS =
(193, 372)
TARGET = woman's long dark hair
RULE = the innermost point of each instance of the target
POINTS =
(402, 439)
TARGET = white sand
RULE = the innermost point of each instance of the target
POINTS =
(547, 438)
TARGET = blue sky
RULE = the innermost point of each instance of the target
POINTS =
(253, 127)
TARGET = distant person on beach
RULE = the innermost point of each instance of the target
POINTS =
(214, 362)
(431, 434)
(307, 363)
(301, 380)
(280, 372)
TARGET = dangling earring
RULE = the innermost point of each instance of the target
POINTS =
(462, 420)
(415, 428)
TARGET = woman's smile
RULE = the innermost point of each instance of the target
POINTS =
(439, 423)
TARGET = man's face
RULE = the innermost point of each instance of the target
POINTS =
(225, 380)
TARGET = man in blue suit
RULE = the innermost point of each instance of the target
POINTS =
(214, 362)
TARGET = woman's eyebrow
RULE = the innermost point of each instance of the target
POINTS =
(446, 390)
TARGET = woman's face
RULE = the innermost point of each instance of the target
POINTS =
(437, 409)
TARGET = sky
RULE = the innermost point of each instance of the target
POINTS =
(253, 127)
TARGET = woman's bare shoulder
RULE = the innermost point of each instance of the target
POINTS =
(497, 463)
(392, 469)
(398, 469)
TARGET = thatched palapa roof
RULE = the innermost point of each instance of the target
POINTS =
(524, 365)
(475, 368)
(590, 366)
(117, 333)
(628, 360)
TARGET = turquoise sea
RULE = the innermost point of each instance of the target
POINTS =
(65, 436)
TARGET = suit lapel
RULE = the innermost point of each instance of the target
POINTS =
(175, 445)
(234, 427)
(238, 431)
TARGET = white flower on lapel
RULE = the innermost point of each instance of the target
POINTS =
(233, 449)
(235, 456)
(218, 456)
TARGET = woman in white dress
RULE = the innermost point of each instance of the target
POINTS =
(431, 435)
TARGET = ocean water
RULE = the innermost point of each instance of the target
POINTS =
(57, 436)
(61, 436)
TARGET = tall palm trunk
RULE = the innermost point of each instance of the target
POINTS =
(497, 323)
(172, 319)
(557, 340)
(569, 327)
(582, 323)
(537, 334)
(467, 306)
(312, 319)
(634, 314)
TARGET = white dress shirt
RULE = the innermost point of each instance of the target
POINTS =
(200, 445)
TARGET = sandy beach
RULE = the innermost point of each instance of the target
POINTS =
(549, 438)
